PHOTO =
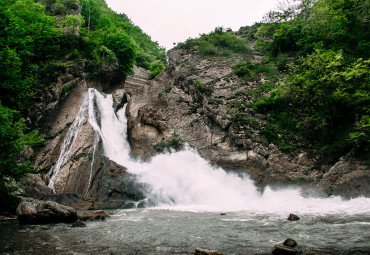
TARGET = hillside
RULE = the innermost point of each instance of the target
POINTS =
(48, 47)
(285, 101)
(282, 100)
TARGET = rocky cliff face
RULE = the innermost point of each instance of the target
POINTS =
(190, 102)
(72, 168)
(193, 99)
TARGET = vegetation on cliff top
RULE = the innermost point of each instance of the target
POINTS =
(39, 39)
(315, 61)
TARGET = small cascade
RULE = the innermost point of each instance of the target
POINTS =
(68, 142)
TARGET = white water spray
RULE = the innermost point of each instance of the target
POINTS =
(185, 181)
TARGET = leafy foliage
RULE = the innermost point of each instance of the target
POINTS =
(39, 39)
(14, 139)
(217, 43)
(156, 68)
(173, 144)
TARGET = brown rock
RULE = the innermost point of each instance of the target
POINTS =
(96, 215)
(290, 242)
(293, 217)
(78, 224)
(199, 251)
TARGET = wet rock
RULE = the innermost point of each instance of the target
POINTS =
(78, 224)
(199, 251)
(290, 242)
(78, 202)
(283, 250)
(32, 211)
(129, 205)
(119, 99)
(293, 217)
(222, 213)
(96, 215)
(348, 178)
(7, 218)
(35, 187)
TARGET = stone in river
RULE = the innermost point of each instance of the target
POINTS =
(293, 217)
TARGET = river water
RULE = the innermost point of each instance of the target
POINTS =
(185, 196)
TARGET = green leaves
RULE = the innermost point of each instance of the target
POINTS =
(124, 48)
(14, 139)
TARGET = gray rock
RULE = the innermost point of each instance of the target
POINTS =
(32, 211)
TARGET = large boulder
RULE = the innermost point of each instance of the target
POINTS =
(349, 178)
(32, 211)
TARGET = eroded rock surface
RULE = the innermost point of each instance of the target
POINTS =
(204, 118)
(32, 211)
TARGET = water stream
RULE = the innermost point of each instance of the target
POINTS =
(187, 195)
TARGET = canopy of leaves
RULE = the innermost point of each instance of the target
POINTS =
(98, 17)
(217, 43)
(34, 36)
(13, 140)
(325, 94)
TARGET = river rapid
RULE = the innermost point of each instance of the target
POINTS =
(184, 198)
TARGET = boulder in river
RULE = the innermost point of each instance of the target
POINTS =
(283, 250)
(293, 217)
(78, 224)
(290, 242)
(96, 215)
(32, 211)
(199, 251)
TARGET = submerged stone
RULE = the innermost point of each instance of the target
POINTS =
(78, 224)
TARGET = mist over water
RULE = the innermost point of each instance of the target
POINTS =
(185, 181)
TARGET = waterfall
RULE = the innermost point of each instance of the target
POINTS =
(65, 152)
(185, 181)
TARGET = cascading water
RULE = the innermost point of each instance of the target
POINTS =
(189, 195)
(185, 181)
(64, 155)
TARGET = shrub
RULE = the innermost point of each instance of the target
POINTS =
(173, 144)
(156, 68)
(203, 89)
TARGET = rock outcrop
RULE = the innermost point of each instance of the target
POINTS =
(32, 211)
(348, 177)
(194, 99)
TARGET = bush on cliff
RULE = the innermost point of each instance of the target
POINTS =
(14, 139)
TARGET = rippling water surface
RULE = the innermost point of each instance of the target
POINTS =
(160, 231)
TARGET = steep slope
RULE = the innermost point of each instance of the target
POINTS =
(207, 98)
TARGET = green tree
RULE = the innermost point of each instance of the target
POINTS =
(14, 140)
(156, 68)
(124, 48)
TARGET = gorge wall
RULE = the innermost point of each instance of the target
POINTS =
(160, 111)
(175, 107)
